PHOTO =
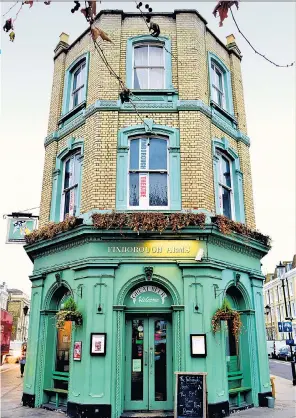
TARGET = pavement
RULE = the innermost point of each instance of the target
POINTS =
(12, 389)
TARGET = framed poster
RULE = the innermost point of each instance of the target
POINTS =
(98, 344)
(77, 350)
(198, 345)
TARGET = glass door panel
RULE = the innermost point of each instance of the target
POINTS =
(136, 397)
(160, 364)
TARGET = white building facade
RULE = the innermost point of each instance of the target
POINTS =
(280, 286)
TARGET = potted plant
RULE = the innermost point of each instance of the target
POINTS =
(68, 312)
(226, 313)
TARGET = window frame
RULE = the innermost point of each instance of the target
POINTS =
(226, 80)
(148, 67)
(222, 146)
(73, 159)
(174, 163)
(148, 171)
(222, 186)
(79, 67)
(74, 146)
(67, 109)
(134, 41)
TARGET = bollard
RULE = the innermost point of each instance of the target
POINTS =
(272, 378)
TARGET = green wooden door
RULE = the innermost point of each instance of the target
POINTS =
(148, 384)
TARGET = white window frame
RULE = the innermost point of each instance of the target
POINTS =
(148, 44)
(74, 180)
(222, 186)
(144, 202)
(80, 68)
(215, 68)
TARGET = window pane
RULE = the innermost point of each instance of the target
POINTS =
(215, 95)
(158, 154)
(134, 189)
(143, 163)
(226, 198)
(158, 190)
(67, 203)
(63, 347)
(160, 359)
(134, 154)
(141, 78)
(226, 178)
(218, 79)
(67, 174)
(137, 382)
(141, 56)
(76, 169)
(156, 56)
(156, 78)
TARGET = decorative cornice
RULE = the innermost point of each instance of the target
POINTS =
(146, 106)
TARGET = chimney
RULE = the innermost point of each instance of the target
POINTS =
(232, 46)
(63, 44)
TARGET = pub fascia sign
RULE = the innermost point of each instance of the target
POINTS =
(164, 248)
(148, 299)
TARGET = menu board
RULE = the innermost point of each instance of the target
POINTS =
(190, 396)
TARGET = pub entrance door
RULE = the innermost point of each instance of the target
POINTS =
(149, 363)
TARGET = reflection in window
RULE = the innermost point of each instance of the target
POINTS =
(148, 173)
(218, 90)
(63, 347)
(137, 381)
(149, 67)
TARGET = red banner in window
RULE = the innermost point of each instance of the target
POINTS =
(143, 186)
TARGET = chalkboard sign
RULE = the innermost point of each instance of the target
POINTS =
(190, 396)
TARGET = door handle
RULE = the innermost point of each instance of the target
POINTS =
(151, 359)
(145, 358)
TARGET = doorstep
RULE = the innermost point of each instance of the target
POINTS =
(147, 414)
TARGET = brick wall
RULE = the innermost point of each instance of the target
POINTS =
(191, 42)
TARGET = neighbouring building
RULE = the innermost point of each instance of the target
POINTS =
(3, 295)
(18, 306)
(275, 287)
(173, 158)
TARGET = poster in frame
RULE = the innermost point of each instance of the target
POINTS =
(198, 345)
(98, 342)
(77, 350)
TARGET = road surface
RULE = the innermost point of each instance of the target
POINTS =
(280, 368)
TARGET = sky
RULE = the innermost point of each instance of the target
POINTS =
(26, 81)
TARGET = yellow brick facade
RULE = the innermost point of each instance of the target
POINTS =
(191, 41)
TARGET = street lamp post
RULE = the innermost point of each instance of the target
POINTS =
(281, 272)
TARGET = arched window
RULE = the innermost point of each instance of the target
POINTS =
(66, 187)
(148, 168)
(148, 173)
(228, 181)
(220, 84)
(75, 87)
(70, 183)
(148, 63)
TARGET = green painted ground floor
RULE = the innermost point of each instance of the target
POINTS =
(147, 308)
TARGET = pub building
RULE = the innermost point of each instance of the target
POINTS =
(138, 199)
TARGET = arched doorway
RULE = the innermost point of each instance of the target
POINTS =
(237, 354)
(57, 354)
(148, 348)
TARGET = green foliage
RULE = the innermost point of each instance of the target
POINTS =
(69, 305)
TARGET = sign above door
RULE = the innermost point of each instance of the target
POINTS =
(149, 296)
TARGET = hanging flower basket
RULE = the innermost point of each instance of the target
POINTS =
(225, 313)
(68, 312)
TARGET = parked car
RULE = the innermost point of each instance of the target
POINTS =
(14, 352)
(284, 353)
(274, 346)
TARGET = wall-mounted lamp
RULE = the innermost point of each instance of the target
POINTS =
(196, 308)
(99, 308)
